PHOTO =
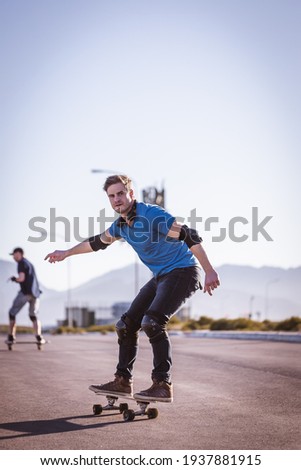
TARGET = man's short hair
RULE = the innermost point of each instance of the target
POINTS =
(114, 179)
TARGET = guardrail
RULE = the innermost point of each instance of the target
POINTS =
(289, 337)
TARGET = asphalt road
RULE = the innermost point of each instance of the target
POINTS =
(228, 394)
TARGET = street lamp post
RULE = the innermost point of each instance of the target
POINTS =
(251, 306)
(266, 309)
(68, 306)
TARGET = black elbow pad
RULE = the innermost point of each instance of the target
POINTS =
(96, 243)
(190, 236)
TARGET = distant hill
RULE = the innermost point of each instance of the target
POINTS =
(266, 291)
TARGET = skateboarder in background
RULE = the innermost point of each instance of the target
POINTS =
(172, 252)
(29, 292)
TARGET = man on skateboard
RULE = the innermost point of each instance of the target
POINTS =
(172, 252)
(29, 292)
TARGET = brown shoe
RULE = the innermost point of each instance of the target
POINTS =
(120, 386)
(159, 391)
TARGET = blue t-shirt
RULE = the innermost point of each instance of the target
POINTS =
(148, 237)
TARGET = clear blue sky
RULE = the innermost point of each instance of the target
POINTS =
(201, 95)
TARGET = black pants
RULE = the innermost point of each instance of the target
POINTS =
(160, 298)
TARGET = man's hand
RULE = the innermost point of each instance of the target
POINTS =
(13, 279)
(57, 255)
(211, 281)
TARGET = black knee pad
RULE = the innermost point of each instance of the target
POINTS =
(11, 317)
(153, 329)
(125, 327)
(33, 317)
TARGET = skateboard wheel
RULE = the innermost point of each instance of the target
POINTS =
(123, 407)
(10, 347)
(128, 415)
(152, 413)
(97, 409)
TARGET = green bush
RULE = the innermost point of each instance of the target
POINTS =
(291, 324)
(103, 329)
(246, 324)
(268, 325)
(205, 322)
(190, 325)
(174, 322)
(237, 324)
(60, 330)
(221, 324)
(20, 329)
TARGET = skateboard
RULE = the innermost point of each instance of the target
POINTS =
(11, 345)
(128, 414)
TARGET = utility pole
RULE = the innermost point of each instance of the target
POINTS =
(266, 310)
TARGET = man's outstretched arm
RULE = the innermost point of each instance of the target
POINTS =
(60, 255)
(95, 243)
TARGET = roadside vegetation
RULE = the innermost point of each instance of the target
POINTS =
(240, 324)
(292, 324)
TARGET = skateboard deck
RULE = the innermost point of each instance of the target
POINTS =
(39, 345)
(128, 414)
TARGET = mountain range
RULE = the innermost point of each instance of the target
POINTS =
(266, 292)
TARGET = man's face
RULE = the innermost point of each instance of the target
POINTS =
(17, 256)
(120, 198)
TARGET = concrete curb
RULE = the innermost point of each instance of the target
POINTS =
(251, 335)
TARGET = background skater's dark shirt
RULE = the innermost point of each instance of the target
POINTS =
(30, 286)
